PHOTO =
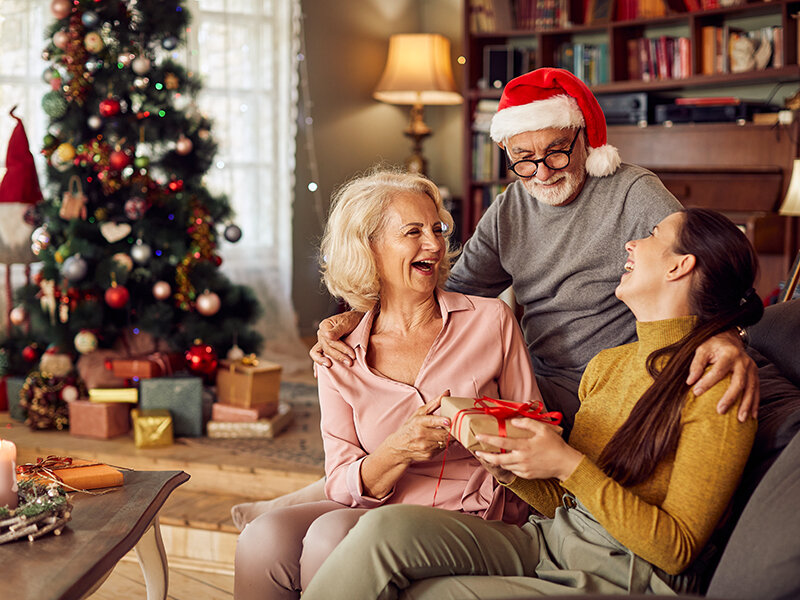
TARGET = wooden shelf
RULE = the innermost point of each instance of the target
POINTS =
(697, 161)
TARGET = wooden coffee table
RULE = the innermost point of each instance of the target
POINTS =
(102, 530)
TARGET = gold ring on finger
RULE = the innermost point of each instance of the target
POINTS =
(441, 444)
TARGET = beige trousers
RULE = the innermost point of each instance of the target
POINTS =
(278, 552)
(426, 553)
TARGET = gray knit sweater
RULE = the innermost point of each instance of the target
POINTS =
(564, 263)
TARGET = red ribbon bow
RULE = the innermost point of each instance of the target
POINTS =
(500, 410)
(45, 466)
(507, 409)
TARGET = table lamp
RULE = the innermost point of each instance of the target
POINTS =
(417, 73)
(791, 208)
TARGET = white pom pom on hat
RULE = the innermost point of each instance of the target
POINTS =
(555, 98)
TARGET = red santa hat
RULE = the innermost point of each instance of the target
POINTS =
(20, 183)
(555, 98)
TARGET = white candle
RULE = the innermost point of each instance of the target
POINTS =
(8, 474)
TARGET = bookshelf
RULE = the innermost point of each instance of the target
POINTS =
(611, 69)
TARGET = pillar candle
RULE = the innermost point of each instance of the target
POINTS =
(8, 474)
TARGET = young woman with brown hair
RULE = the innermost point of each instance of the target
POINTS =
(633, 498)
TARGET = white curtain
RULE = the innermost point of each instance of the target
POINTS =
(245, 51)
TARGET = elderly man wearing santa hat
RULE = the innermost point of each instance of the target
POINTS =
(557, 234)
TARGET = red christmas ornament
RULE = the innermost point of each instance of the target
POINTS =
(175, 185)
(119, 159)
(29, 353)
(109, 107)
(117, 296)
(201, 359)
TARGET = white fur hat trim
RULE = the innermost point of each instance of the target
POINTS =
(602, 161)
(557, 112)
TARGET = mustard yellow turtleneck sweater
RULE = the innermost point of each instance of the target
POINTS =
(668, 518)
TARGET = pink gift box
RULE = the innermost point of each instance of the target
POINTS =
(102, 420)
(227, 413)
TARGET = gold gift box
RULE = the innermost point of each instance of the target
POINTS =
(152, 428)
(248, 382)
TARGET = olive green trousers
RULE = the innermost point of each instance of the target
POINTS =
(417, 552)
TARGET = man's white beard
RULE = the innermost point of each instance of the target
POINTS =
(554, 196)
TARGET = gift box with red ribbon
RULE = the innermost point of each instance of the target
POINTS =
(73, 473)
(471, 416)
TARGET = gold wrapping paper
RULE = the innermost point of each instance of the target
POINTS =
(464, 425)
(130, 395)
(152, 428)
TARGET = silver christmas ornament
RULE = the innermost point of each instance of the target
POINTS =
(95, 122)
(233, 233)
(141, 252)
(74, 268)
(90, 19)
(169, 42)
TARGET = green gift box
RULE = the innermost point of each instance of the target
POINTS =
(13, 388)
(183, 397)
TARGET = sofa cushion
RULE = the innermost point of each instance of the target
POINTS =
(775, 336)
(762, 557)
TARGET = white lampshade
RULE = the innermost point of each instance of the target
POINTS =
(791, 202)
(418, 71)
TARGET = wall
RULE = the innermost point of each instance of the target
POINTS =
(346, 45)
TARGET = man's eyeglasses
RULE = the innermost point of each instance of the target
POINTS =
(555, 161)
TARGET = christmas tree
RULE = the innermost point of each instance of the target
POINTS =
(127, 232)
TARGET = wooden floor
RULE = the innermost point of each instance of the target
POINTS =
(196, 526)
(126, 582)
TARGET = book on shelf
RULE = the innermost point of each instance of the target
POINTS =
(729, 49)
(588, 62)
(662, 58)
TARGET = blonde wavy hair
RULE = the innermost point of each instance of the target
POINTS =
(356, 216)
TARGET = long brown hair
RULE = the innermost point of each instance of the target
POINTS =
(721, 297)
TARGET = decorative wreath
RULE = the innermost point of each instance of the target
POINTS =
(42, 508)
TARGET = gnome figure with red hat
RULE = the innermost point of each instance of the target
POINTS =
(19, 191)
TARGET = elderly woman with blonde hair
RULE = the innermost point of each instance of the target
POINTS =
(386, 251)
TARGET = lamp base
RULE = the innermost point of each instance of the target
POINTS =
(417, 130)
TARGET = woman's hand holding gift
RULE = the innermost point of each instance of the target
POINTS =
(543, 455)
(419, 439)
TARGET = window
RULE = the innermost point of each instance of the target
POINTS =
(245, 51)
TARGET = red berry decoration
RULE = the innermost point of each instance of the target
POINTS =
(117, 296)
(119, 159)
(109, 107)
(29, 353)
(176, 185)
(201, 359)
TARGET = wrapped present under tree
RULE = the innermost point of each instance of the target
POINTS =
(152, 428)
(248, 382)
(102, 420)
(263, 428)
(183, 397)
